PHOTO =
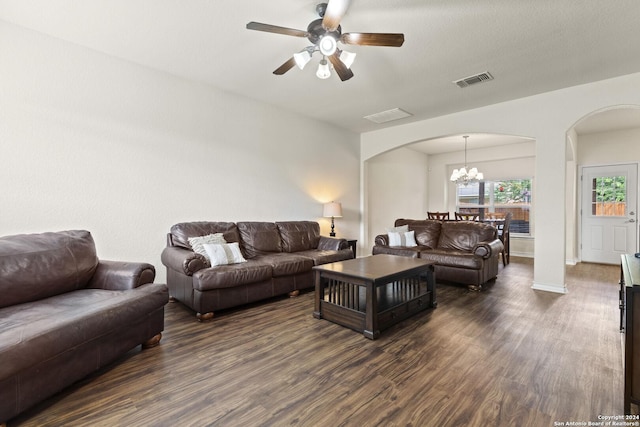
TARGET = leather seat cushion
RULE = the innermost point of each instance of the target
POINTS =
(284, 264)
(453, 258)
(227, 276)
(407, 251)
(320, 257)
(40, 330)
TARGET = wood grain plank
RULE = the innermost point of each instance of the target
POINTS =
(502, 357)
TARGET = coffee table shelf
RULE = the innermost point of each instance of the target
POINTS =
(372, 293)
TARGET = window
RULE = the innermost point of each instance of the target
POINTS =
(513, 195)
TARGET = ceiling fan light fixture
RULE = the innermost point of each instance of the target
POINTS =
(327, 45)
(302, 58)
(323, 69)
(347, 58)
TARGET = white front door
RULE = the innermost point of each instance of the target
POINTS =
(609, 212)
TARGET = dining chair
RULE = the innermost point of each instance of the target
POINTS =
(467, 216)
(505, 236)
(438, 215)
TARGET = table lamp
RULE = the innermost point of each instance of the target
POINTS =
(332, 210)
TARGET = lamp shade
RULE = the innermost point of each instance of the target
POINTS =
(323, 70)
(332, 209)
(302, 58)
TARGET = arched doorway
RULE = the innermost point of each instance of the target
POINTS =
(605, 220)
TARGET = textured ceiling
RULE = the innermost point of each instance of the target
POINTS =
(529, 47)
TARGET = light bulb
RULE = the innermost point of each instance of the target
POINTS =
(323, 70)
(327, 45)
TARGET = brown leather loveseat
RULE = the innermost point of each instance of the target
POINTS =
(278, 259)
(465, 252)
(65, 314)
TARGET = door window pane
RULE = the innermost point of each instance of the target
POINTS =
(609, 196)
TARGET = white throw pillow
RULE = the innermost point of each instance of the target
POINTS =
(400, 229)
(406, 238)
(197, 242)
(223, 254)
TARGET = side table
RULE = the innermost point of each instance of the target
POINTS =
(353, 245)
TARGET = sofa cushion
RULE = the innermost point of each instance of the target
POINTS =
(228, 276)
(299, 235)
(320, 257)
(427, 231)
(259, 238)
(453, 258)
(284, 264)
(36, 331)
(464, 235)
(36, 266)
(181, 232)
(413, 252)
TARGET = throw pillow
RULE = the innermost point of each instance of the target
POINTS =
(197, 242)
(400, 229)
(223, 254)
(406, 238)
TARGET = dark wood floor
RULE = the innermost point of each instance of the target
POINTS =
(508, 356)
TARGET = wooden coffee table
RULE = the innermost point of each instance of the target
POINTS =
(372, 293)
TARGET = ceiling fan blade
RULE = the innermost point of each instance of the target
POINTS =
(373, 39)
(334, 13)
(343, 72)
(258, 26)
(285, 67)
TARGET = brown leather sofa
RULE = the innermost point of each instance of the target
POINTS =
(65, 314)
(279, 260)
(465, 252)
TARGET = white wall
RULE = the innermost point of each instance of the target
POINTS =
(397, 187)
(546, 118)
(92, 142)
(620, 146)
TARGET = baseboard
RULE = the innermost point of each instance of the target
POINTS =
(550, 288)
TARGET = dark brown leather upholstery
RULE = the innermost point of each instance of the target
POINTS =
(27, 262)
(59, 325)
(280, 257)
(464, 251)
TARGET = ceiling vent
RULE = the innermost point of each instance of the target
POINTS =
(471, 80)
(388, 116)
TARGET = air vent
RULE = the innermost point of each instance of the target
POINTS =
(471, 80)
(388, 116)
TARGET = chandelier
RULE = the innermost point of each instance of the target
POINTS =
(463, 175)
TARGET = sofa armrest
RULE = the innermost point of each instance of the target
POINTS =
(488, 249)
(332, 243)
(120, 275)
(183, 260)
(382, 240)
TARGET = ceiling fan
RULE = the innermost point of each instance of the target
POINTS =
(324, 34)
